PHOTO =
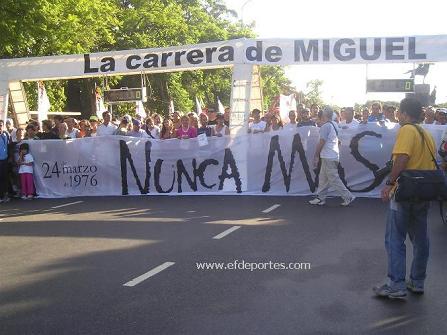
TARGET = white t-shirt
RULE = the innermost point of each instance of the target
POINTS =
(290, 126)
(73, 133)
(353, 124)
(257, 127)
(14, 135)
(155, 132)
(28, 158)
(139, 133)
(330, 149)
(222, 131)
(106, 130)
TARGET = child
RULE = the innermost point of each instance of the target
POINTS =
(25, 163)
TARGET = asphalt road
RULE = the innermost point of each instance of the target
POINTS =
(64, 263)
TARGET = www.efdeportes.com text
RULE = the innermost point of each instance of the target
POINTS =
(253, 266)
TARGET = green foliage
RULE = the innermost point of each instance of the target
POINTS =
(55, 91)
(53, 27)
(274, 82)
(313, 93)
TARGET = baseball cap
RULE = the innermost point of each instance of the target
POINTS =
(93, 118)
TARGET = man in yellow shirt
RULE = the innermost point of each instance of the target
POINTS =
(410, 151)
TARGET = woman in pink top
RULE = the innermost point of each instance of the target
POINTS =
(185, 130)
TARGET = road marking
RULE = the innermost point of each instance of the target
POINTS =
(69, 204)
(268, 210)
(226, 232)
(148, 274)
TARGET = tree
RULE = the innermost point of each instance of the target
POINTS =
(313, 93)
(53, 27)
(274, 82)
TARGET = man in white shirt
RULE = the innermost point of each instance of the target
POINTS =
(348, 121)
(257, 126)
(292, 125)
(136, 130)
(327, 153)
(106, 128)
(429, 114)
(11, 130)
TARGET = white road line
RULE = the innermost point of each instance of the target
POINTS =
(226, 232)
(69, 204)
(268, 210)
(148, 274)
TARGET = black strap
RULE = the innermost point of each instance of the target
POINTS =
(336, 132)
(421, 132)
(441, 203)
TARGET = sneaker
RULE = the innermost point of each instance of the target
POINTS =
(413, 288)
(6, 199)
(30, 197)
(347, 202)
(386, 291)
(23, 197)
(317, 201)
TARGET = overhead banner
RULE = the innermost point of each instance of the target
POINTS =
(275, 163)
(399, 49)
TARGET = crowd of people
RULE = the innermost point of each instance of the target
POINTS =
(345, 118)
(154, 126)
(16, 161)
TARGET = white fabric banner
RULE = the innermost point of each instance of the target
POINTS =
(43, 103)
(139, 110)
(286, 104)
(100, 108)
(276, 163)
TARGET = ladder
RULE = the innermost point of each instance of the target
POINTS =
(20, 110)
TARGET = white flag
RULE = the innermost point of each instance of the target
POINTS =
(43, 103)
(198, 107)
(220, 107)
(100, 108)
(286, 104)
(171, 107)
(139, 110)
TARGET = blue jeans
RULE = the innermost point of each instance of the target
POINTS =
(403, 218)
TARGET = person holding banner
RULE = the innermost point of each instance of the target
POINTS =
(376, 113)
(152, 130)
(94, 121)
(107, 127)
(186, 131)
(167, 130)
(305, 120)
(328, 154)
(136, 130)
(220, 129)
(47, 131)
(175, 119)
(292, 121)
(348, 120)
(204, 128)
(257, 126)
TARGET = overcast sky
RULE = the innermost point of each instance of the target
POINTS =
(345, 84)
